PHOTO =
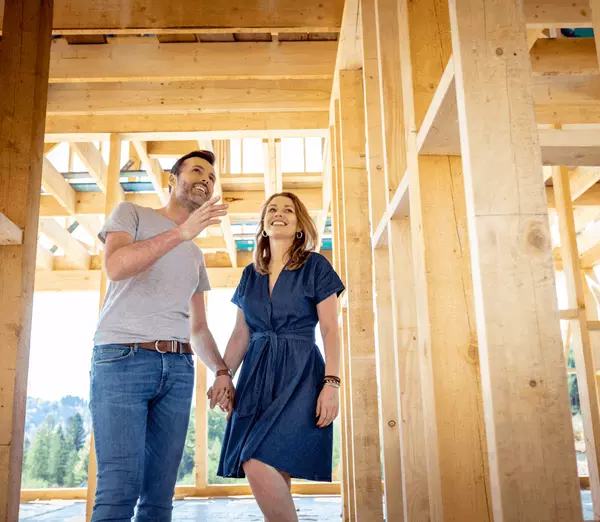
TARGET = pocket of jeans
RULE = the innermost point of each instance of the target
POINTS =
(189, 359)
(108, 354)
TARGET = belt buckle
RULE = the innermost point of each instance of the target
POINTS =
(157, 348)
(174, 346)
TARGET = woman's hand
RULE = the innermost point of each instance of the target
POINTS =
(222, 393)
(328, 406)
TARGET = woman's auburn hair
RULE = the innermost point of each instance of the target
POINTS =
(301, 247)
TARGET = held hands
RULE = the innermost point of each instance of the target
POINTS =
(201, 218)
(222, 392)
(328, 406)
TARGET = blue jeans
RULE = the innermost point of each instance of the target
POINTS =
(140, 403)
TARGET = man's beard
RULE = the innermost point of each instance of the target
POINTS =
(186, 200)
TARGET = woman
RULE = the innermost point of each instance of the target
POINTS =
(287, 397)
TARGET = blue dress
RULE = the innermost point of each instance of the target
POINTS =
(274, 419)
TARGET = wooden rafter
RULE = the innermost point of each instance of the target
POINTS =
(54, 183)
(10, 234)
(153, 170)
(73, 249)
(91, 157)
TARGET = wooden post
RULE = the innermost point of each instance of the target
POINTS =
(335, 218)
(347, 439)
(24, 62)
(408, 373)
(447, 343)
(114, 196)
(524, 383)
(581, 339)
(392, 116)
(201, 453)
(361, 341)
(389, 403)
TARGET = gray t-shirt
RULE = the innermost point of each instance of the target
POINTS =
(153, 305)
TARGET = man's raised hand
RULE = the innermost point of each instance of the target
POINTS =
(203, 217)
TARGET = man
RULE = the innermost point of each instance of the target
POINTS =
(142, 375)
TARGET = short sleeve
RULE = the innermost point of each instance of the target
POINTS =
(124, 218)
(203, 280)
(241, 287)
(327, 282)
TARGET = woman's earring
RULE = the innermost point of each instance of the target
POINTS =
(264, 233)
(299, 234)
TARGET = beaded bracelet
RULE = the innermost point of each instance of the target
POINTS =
(332, 380)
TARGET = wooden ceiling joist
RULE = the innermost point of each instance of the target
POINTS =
(75, 99)
(146, 60)
(151, 127)
(551, 56)
(242, 204)
(110, 17)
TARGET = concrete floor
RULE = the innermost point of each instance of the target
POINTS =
(242, 509)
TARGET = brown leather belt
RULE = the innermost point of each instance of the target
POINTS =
(165, 346)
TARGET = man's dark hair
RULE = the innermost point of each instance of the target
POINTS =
(203, 154)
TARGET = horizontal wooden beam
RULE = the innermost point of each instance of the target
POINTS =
(552, 56)
(146, 60)
(10, 234)
(557, 13)
(74, 99)
(89, 280)
(439, 134)
(112, 17)
(590, 198)
(241, 204)
(214, 490)
(186, 126)
(79, 17)
(567, 99)
(67, 280)
(211, 243)
(570, 147)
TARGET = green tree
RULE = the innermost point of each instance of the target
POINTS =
(58, 459)
(39, 455)
(76, 431)
(186, 466)
(573, 386)
(25, 473)
(216, 425)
